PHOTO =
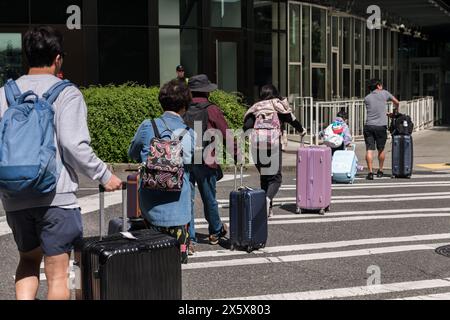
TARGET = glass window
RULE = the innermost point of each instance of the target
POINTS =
(294, 30)
(377, 75)
(385, 79)
(346, 83)
(318, 79)
(10, 56)
(369, 47)
(123, 55)
(227, 66)
(169, 12)
(358, 82)
(306, 51)
(335, 30)
(377, 46)
(14, 12)
(358, 42)
(368, 77)
(265, 45)
(264, 20)
(189, 12)
(386, 43)
(294, 80)
(283, 64)
(169, 53)
(318, 35)
(393, 46)
(189, 51)
(347, 41)
(335, 71)
(226, 13)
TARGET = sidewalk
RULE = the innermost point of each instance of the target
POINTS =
(431, 151)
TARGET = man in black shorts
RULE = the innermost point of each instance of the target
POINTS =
(375, 130)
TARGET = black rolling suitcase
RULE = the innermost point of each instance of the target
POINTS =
(145, 266)
(248, 218)
(402, 156)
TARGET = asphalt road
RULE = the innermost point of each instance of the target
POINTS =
(381, 232)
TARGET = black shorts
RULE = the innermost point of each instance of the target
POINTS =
(53, 229)
(375, 137)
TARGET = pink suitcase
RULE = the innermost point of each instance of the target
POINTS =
(314, 180)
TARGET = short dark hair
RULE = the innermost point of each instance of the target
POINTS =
(42, 45)
(374, 83)
(174, 96)
(343, 114)
(269, 92)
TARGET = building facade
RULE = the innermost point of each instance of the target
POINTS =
(319, 49)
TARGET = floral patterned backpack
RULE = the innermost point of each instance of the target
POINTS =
(164, 169)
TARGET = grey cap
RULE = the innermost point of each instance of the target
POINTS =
(201, 83)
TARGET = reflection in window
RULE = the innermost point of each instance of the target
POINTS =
(189, 51)
(263, 15)
(358, 41)
(318, 34)
(169, 12)
(347, 40)
(294, 81)
(294, 30)
(264, 58)
(318, 80)
(306, 52)
(346, 83)
(368, 47)
(358, 82)
(189, 12)
(10, 56)
(226, 13)
(335, 30)
(169, 53)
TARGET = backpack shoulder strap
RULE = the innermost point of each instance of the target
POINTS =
(155, 129)
(12, 92)
(52, 94)
(204, 105)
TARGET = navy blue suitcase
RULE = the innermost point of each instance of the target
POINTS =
(248, 218)
(402, 156)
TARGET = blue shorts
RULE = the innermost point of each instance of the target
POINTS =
(53, 229)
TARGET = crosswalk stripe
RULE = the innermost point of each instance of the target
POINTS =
(343, 213)
(354, 291)
(347, 219)
(392, 184)
(439, 296)
(311, 256)
(385, 186)
(321, 246)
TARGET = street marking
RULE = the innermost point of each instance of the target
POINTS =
(340, 214)
(320, 246)
(439, 296)
(347, 219)
(354, 291)
(435, 166)
(415, 176)
(312, 256)
(358, 186)
(230, 177)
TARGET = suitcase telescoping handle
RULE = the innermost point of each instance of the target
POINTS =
(102, 209)
(235, 176)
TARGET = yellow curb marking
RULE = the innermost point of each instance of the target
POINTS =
(435, 166)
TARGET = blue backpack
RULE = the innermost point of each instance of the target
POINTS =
(28, 163)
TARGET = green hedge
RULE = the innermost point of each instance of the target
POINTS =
(115, 113)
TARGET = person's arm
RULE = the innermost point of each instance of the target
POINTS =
(74, 140)
(249, 122)
(290, 118)
(140, 142)
(218, 121)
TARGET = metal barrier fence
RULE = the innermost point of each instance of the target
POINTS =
(316, 117)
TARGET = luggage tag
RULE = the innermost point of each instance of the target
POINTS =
(128, 235)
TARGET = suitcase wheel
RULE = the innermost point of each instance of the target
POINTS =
(249, 249)
(298, 211)
(322, 212)
(328, 209)
(232, 247)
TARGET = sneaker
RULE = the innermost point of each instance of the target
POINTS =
(380, 174)
(214, 238)
(370, 176)
(191, 249)
(270, 215)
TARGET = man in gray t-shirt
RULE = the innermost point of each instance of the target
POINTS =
(375, 130)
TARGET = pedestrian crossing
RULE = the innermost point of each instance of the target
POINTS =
(301, 267)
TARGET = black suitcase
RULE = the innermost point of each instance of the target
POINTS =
(402, 156)
(248, 218)
(118, 268)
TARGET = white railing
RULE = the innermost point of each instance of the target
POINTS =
(315, 117)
